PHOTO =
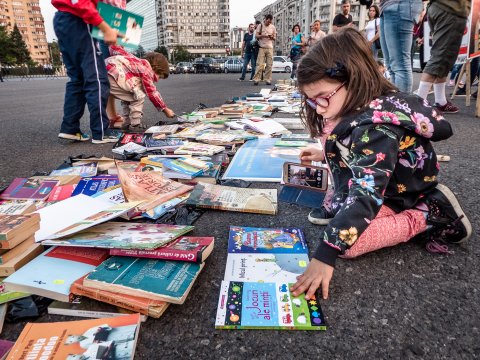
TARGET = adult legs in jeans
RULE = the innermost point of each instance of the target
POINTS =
(388, 229)
(396, 32)
(246, 59)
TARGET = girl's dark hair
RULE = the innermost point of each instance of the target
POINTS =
(296, 25)
(377, 10)
(329, 59)
(159, 63)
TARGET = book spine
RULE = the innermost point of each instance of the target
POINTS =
(116, 300)
(192, 256)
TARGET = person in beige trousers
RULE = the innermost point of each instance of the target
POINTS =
(265, 34)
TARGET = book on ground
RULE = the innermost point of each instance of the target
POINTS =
(164, 280)
(142, 305)
(260, 201)
(91, 185)
(123, 235)
(8, 254)
(17, 207)
(61, 192)
(12, 226)
(89, 169)
(105, 338)
(157, 144)
(162, 129)
(191, 249)
(267, 127)
(52, 273)
(247, 305)
(129, 148)
(5, 346)
(193, 148)
(12, 265)
(7, 296)
(28, 189)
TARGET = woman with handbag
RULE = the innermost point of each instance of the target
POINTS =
(372, 30)
(296, 52)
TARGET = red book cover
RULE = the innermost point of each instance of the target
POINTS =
(91, 256)
(186, 248)
(61, 192)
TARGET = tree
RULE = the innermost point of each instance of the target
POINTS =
(162, 50)
(19, 47)
(181, 54)
(55, 53)
(140, 52)
(5, 47)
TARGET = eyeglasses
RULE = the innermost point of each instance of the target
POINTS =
(323, 101)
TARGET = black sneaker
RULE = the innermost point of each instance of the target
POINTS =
(448, 220)
(320, 216)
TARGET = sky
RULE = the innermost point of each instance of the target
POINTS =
(241, 13)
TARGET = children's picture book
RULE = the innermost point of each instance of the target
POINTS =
(61, 192)
(28, 189)
(12, 265)
(105, 338)
(243, 239)
(123, 235)
(17, 207)
(7, 296)
(128, 25)
(85, 170)
(129, 148)
(162, 129)
(193, 148)
(164, 280)
(91, 185)
(185, 248)
(77, 213)
(259, 201)
(87, 308)
(142, 305)
(249, 305)
(52, 273)
(150, 188)
(260, 160)
(265, 267)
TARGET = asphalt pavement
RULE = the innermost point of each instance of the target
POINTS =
(400, 302)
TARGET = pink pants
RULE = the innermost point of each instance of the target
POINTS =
(388, 229)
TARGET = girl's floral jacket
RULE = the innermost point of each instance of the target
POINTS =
(383, 155)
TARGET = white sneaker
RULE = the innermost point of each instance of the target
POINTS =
(105, 140)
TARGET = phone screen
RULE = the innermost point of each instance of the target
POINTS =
(306, 176)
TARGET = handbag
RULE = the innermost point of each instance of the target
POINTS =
(377, 42)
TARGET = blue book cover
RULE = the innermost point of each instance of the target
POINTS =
(151, 278)
(178, 166)
(260, 160)
(303, 197)
(266, 240)
(248, 305)
(91, 186)
(53, 272)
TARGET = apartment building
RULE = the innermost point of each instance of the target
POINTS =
(287, 13)
(28, 17)
(201, 26)
(236, 38)
(147, 9)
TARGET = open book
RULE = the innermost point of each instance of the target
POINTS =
(267, 127)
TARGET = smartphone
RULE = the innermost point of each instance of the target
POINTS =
(305, 176)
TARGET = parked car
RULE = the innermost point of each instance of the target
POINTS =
(205, 65)
(281, 64)
(220, 64)
(171, 68)
(184, 68)
(233, 65)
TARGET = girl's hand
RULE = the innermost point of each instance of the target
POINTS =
(109, 35)
(317, 274)
(312, 153)
(168, 113)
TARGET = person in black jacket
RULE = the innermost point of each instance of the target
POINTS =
(380, 154)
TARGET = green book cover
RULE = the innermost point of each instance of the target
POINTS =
(156, 279)
(128, 25)
(6, 296)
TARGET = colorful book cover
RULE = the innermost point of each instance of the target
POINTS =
(28, 189)
(5, 346)
(85, 170)
(191, 249)
(92, 185)
(105, 338)
(182, 167)
(260, 160)
(244, 305)
(259, 201)
(158, 279)
(123, 235)
(136, 138)
(61, 192)
(266, 240)
(265, 267)
(7, 296)
(128, 25)
(52, 273)
(150, 188)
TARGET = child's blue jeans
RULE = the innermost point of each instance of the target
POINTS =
(88, 83)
